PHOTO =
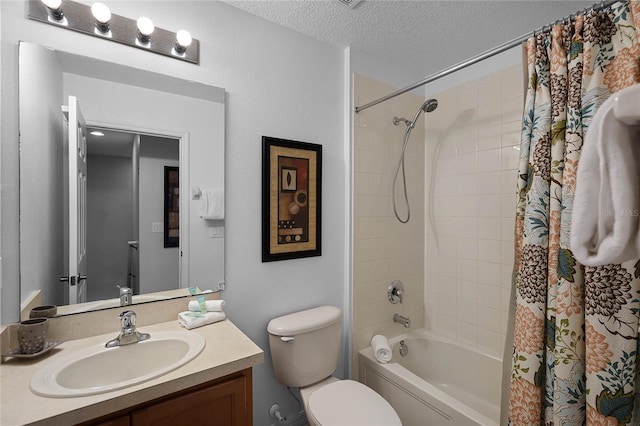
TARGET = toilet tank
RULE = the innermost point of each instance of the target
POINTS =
(305, 345)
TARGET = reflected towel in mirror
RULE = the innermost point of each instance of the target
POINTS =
(212, 204)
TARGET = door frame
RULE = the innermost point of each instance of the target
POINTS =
(183, 141)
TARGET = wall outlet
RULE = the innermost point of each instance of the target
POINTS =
(157, 227)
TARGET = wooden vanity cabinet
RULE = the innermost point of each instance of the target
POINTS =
(223, 402)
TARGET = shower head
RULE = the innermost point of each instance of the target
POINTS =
(429, 105)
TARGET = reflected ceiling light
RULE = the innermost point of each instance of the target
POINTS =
(145, 29)
(102, 15)
(54, 7)
(96, 133)
(183, 41)
(96, 19)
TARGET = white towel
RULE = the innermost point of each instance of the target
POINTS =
(381, 348)
(191, 320)
(212, 305)
(605, 224)
(212, 204)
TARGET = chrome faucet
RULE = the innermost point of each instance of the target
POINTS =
(395, 292)
(128, 334)
(126, 296)
(401, 319)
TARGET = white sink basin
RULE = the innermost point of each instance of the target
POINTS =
(97, 369)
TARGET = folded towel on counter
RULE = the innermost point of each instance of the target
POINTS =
(191, 320)
(605, 224)
(212, 204)
(212, 305)
(381, 348)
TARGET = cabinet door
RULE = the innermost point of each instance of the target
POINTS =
(223, 404)
(119, 421)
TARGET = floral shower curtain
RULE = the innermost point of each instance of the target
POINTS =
(575, 354)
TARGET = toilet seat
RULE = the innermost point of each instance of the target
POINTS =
(350, 403)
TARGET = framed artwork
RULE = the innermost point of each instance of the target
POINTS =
(291, 199)
(171, 206)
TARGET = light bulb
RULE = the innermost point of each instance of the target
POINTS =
(52, 4)
(102, 15)
(145, 27)
(54, 8)
(183, 40)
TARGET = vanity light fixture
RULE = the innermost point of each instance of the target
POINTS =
(102, 16)
(98, 21)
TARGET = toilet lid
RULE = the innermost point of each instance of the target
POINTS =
(350, 403)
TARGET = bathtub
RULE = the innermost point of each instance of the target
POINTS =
(438, 382)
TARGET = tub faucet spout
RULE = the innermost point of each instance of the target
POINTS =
(401, 319)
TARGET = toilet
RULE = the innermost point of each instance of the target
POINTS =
(305, 347)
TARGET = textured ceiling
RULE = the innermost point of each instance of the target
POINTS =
(425, 36)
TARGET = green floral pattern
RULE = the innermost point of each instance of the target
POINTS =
(575, 355)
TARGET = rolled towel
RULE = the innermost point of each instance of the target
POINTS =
(191, 320)
(381, 348)
(212, 305)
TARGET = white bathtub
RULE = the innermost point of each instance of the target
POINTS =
(438, 382)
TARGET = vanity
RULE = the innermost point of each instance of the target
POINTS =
(214, 388)
(171, 126)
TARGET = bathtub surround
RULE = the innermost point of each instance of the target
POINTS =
(385, 249)
(576, 327)
(472, 142)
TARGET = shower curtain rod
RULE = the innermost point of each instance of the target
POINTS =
(481, 57)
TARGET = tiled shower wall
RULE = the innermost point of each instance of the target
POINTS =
(462, 195)
(472, 159)
(384, 249)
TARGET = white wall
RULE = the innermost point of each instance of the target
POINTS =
(108, 224)
(42, 143)
(279, 83)
(158, 265)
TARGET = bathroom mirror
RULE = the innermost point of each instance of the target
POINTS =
(162, 153)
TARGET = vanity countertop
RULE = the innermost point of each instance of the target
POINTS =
(227, 350)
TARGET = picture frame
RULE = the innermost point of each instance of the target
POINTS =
(171, 206)
(291, 199)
